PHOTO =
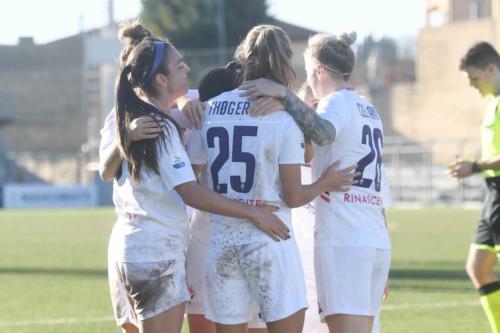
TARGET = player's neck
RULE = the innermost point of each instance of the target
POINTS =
(497, 85)
(332, 86)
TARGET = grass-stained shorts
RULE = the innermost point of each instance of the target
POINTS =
(268, 273)
(140, 291)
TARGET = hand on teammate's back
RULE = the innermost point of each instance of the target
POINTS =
(144, 128)
(262, 87)
(339, 180)
(193, 109)
(265, 105)
(269, 223)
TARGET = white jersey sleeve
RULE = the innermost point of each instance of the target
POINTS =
(197, 151)
(292, 148)
(108, 135)
(333, 111)
(174, 164)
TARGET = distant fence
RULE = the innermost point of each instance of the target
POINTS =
(418, 173)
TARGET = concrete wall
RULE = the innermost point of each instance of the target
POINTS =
(440, 105)
(43, 85)
(460, 10)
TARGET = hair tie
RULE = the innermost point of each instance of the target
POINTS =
(334, 70)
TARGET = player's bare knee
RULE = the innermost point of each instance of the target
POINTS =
(477, 271)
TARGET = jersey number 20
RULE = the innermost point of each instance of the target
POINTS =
(374, 140)
(237, 155)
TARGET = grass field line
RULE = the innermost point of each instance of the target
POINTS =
(66, 321)
(56, 321)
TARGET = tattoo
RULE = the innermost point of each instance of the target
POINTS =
(319, 130)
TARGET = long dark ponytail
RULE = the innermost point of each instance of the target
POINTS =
(138, 73)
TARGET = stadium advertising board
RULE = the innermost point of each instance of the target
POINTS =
(46, 196)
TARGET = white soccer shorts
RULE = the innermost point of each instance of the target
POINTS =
(195, 272)
(350, 280)
(268, 272)
(140, 291)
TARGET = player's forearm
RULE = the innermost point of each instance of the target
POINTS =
(308, 153)
(110, 164)
(490, 164)
(304, 195)
(319, 130)
(199, 197)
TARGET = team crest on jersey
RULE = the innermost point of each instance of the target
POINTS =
(177, 162)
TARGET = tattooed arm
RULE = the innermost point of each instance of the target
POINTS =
(319, 130)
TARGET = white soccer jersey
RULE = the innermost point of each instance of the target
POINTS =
(199, 225)
(152, 218)
(243, 154)
(353, 218)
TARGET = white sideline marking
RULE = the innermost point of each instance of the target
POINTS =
(56, 321)
(63, 321)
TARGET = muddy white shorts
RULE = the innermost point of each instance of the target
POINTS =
(195, 272)
(268, 272)
(350, 280)
(140, 291)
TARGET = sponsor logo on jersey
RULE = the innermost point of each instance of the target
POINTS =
(368, 199)
(251, 202)
(179, 165)
(177, 162)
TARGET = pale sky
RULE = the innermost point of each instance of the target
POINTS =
(48, 20)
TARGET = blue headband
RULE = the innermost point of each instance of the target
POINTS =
(159, 50)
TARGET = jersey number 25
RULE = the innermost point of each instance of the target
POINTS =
(237, 155)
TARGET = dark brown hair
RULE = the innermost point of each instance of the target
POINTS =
(480, 55)
(220, 80)
(137, 72)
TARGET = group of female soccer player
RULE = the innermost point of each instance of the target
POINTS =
(237, 161)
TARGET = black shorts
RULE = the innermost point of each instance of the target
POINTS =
(488, 228)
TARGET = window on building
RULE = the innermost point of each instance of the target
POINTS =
(474, 11)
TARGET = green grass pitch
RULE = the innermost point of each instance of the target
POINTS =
(53, 272)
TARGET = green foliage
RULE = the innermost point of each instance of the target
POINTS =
(193, 24)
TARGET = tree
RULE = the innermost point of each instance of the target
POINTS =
(193, 24)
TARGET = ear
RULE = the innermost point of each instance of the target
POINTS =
(319, 69)
(161, 80)
(491, 68)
